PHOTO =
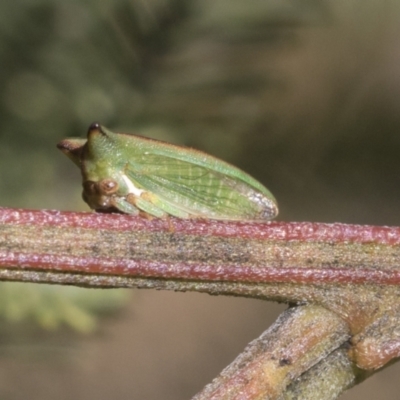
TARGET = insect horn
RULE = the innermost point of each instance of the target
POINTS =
(72, 148)
(95, 128)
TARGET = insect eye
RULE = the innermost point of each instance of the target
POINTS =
(107, 186)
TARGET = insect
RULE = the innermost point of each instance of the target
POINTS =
(133, 174)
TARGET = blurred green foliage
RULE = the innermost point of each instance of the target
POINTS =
(51, 307)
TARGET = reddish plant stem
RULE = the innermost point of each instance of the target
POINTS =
(50, 253)
(205, 250)
(353, 271)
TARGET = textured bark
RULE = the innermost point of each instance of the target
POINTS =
(350, 273)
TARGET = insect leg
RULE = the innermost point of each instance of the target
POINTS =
(124, 206)
(153, 205)
(145, 205)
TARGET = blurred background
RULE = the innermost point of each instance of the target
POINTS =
(304, 95)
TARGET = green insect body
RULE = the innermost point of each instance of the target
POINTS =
(130, 173)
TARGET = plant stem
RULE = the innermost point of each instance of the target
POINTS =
(351, 270)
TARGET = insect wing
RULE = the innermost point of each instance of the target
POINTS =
(196, 189)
